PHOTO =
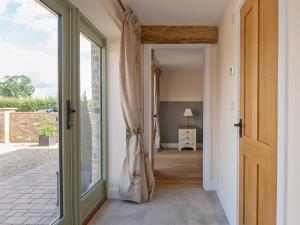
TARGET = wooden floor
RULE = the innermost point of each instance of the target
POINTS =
(173, 168)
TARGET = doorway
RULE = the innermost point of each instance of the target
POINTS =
(178, 117)
(149, 109)
(52, 114)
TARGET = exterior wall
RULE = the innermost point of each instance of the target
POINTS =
(1, 127)
(4, 123)
(24, 126)
(95, 113)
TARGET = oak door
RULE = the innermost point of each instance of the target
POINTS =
(258, 144)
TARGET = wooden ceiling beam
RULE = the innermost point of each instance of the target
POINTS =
(179, 34)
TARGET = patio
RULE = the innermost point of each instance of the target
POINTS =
(28, 185)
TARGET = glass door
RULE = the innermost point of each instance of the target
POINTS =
(52, 114)
(34, 142)
(59, 45)
(91, 101)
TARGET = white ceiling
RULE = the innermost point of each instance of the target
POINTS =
(178, 12)
(95, 12)
(180, 58)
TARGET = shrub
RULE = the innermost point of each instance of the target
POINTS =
(29, 104)
(47, 129)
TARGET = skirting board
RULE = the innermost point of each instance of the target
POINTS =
(210, 186)
(175, 145)
(228, 210)
(113, 193)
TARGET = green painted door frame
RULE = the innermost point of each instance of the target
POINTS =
(64, 10)
(97, 193)
(74, 208)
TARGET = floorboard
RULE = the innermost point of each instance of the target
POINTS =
(175, 169)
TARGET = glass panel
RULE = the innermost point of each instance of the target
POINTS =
(90, 113)
(29, 114)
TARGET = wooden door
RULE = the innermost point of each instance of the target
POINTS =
(258, 144)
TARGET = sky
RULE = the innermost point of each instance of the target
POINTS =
(28, 46)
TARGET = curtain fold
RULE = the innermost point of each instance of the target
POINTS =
(137, 179)
(156, 125)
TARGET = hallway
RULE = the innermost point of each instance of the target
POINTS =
(170, 206)
(165, 112)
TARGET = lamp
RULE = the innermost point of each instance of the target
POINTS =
(188, 113)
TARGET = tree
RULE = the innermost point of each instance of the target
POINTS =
(18, 86)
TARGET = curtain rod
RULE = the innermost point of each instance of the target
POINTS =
(121, 4)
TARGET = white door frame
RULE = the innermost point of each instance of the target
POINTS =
(282, 109)
(208, 184)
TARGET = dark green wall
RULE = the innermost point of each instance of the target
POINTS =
(171, 116)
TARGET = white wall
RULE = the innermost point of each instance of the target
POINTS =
(215, 111)
(227, 154)
(116, 125)
(293, 112)
(179, 84)
(227, 139)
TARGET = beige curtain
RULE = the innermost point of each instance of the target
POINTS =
(156, 125)
(137, 180)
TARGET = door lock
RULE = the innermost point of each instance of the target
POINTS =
(69, 114)
(240, 126)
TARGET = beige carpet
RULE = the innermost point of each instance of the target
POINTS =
(191, 206)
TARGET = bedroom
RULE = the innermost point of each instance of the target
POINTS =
(178, 116)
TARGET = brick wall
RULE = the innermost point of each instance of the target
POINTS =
(95, 113)
(24, 127)
(1, 127)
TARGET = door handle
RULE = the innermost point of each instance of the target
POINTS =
(240, 126)
(69, 114)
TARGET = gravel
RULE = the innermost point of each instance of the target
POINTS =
(19, 161)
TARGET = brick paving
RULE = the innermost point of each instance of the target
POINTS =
(30, 197)
(16, 159)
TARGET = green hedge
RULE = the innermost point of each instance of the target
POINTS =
(29, 104)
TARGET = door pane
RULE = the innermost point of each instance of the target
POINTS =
(29, 114)
(90, 113)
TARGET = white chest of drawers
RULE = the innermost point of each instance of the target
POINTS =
(187, 138)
